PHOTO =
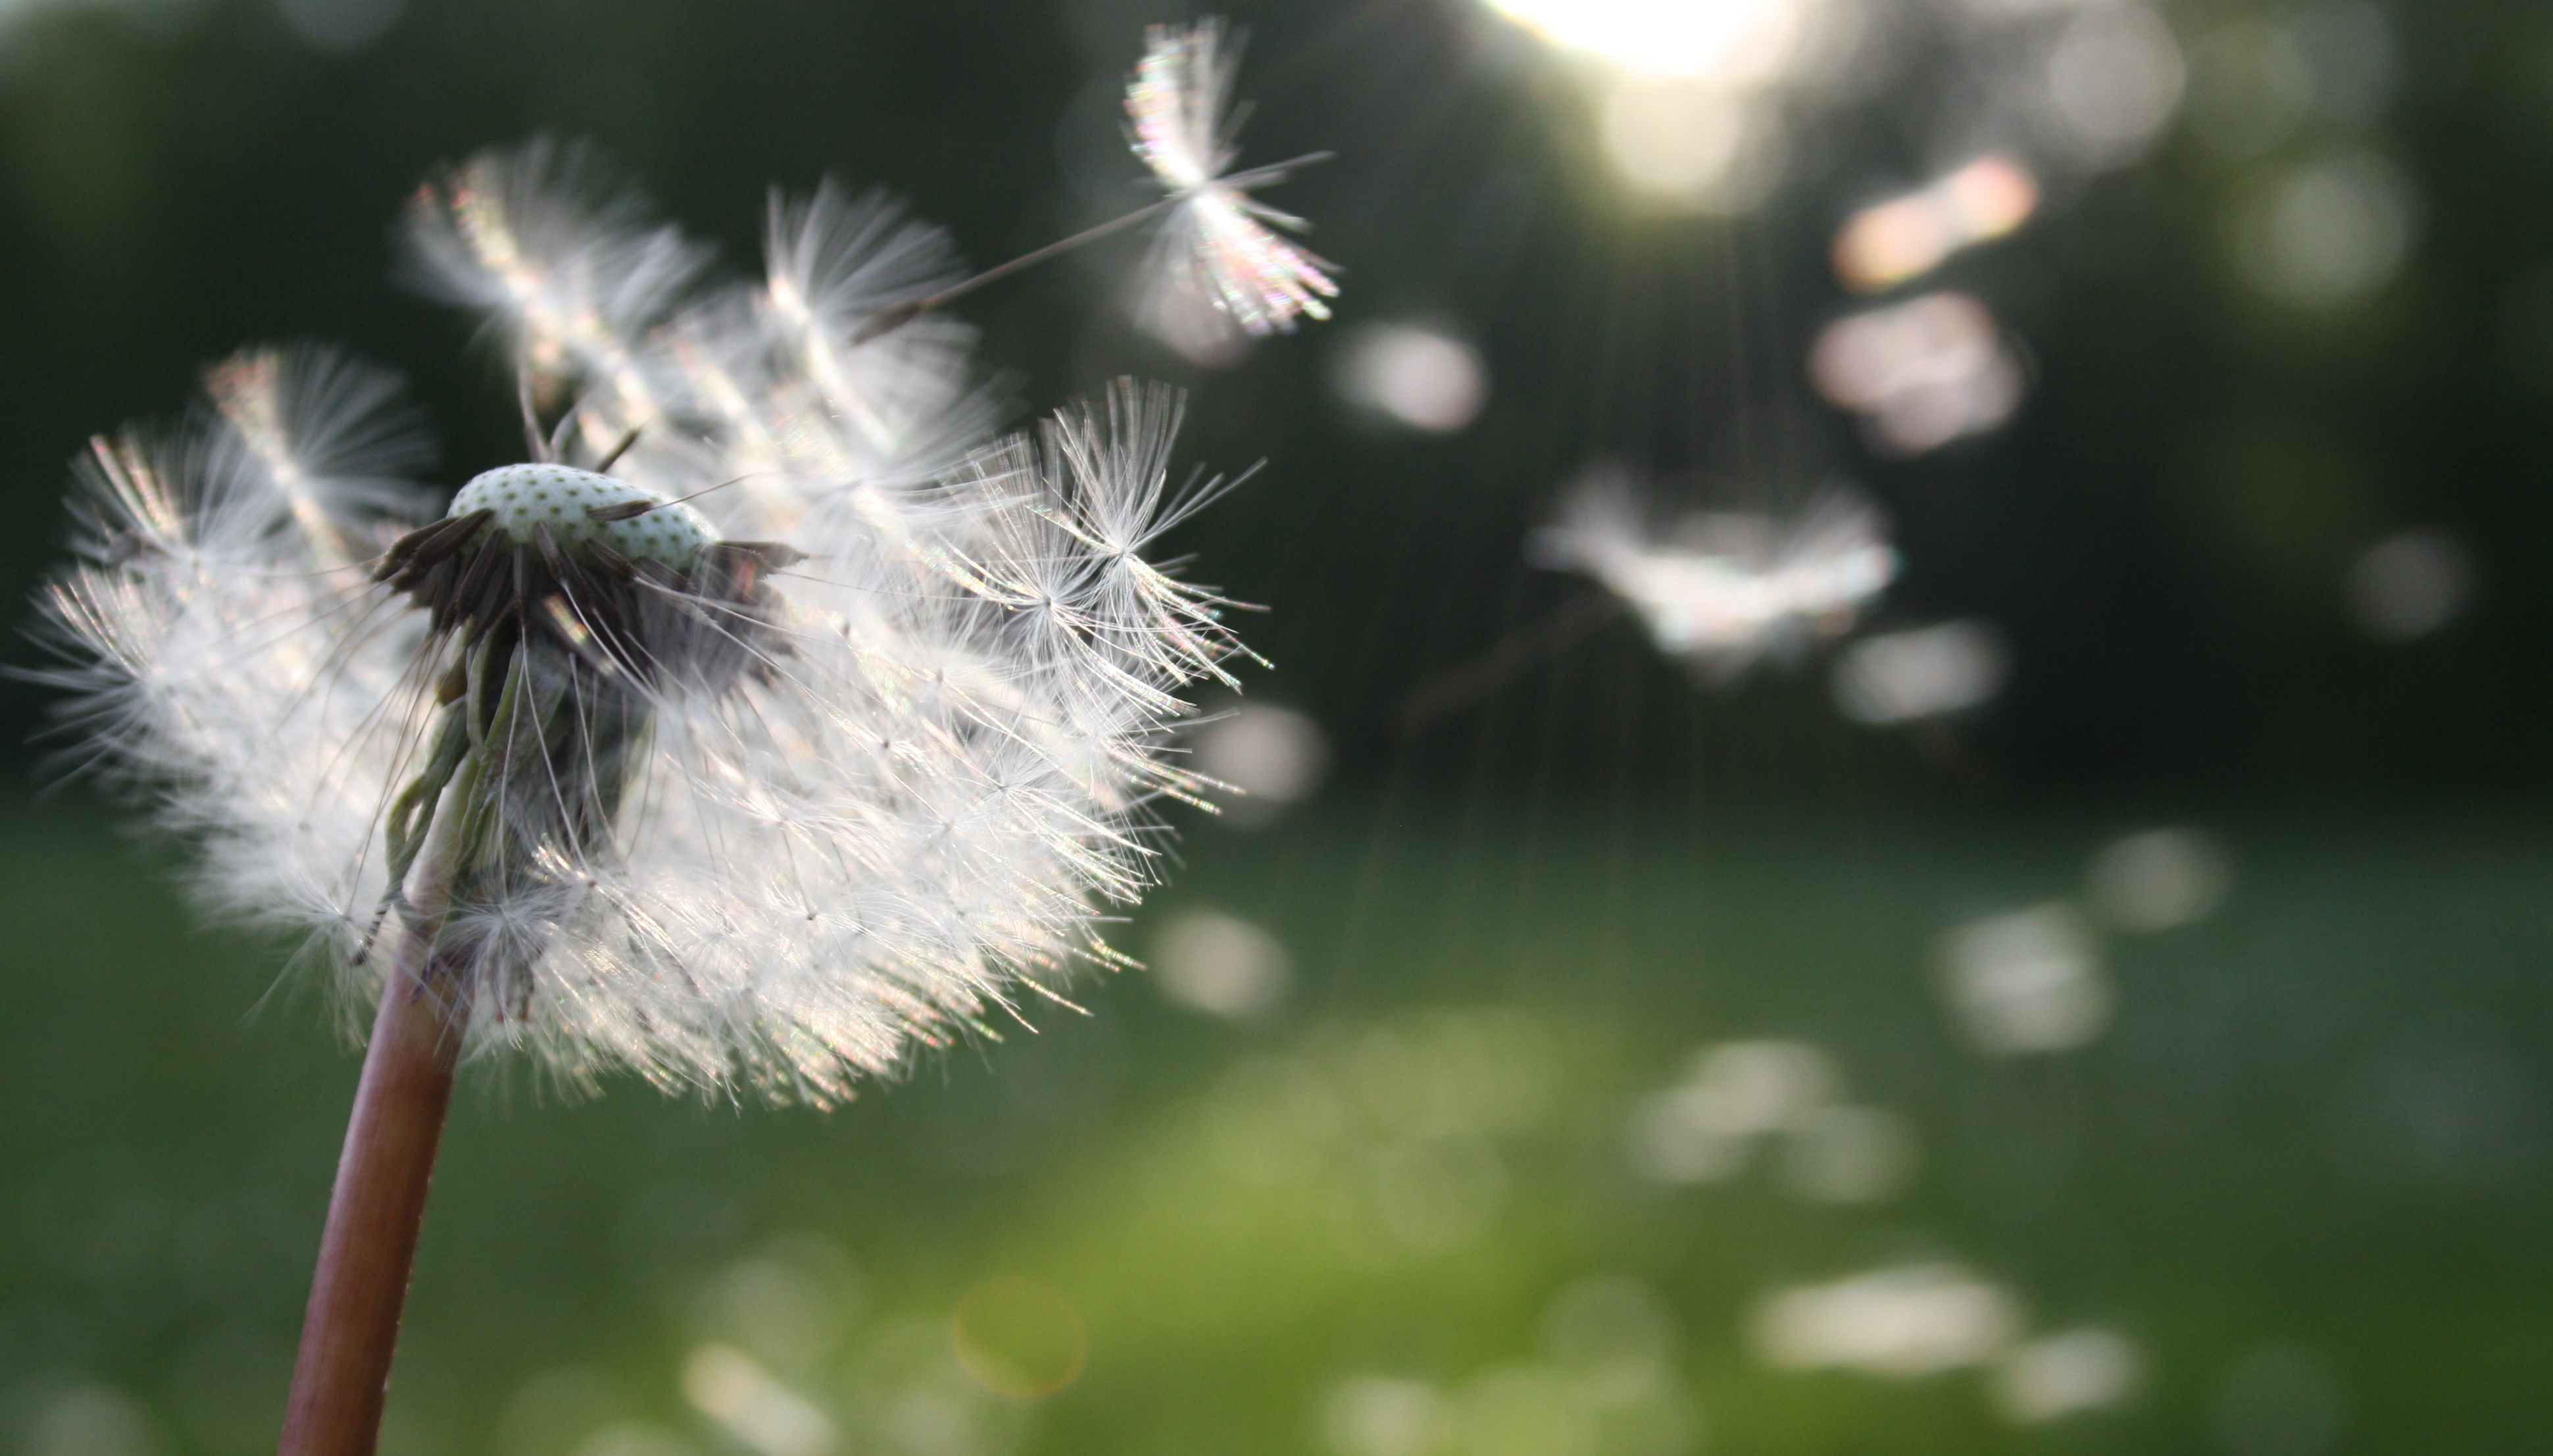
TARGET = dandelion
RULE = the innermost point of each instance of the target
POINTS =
(769, 722)
(1733, 587)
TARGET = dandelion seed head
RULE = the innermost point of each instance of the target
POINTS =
(565, 499)
(825, 728)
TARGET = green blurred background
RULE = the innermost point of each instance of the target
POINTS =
(1611, 1061)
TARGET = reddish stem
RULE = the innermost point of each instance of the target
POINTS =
(347, 1337)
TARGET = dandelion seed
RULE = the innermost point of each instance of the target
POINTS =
(1219, 266)
(1218, 276)
(770, 722)
(564, 265)
(1741, 587)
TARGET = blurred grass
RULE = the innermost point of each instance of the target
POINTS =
(2317, 1126)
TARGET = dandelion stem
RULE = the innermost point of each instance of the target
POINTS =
(342, 1373)
(351, 1329)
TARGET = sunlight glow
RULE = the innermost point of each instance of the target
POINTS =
(1734, 40)
(1692, 144)
(1687, 91)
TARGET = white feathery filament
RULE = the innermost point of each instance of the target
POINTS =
(1219, 260)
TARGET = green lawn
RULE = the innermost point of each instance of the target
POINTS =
(2302, 1174)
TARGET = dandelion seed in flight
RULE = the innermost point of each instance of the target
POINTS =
(1220, 266)
(1732, 588)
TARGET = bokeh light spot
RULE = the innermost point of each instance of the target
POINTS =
(728, 1387)
(1921, 673)
(1850, 1155)
(1220, 965)
(785, 1307)
(1421, 378)
(2409, 585)
(1274, 756)
(2158, 879)
(1907, 236)
(1702, 1129)
(2330, 232)
(2027, 981)
(2063, 1374)
(1902, 1323)
(1920, 373)
(2112, 80)
(1379, 1416)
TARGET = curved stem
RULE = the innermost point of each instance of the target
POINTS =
(351, 1330)
(342, 1376)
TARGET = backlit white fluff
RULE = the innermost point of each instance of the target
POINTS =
(1727, 588)
(565, 265)
(1219, 265)
(917, 796)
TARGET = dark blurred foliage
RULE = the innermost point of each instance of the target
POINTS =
(2161, 531)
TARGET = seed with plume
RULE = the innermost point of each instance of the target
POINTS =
(1219, 265)
(1729, 590)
